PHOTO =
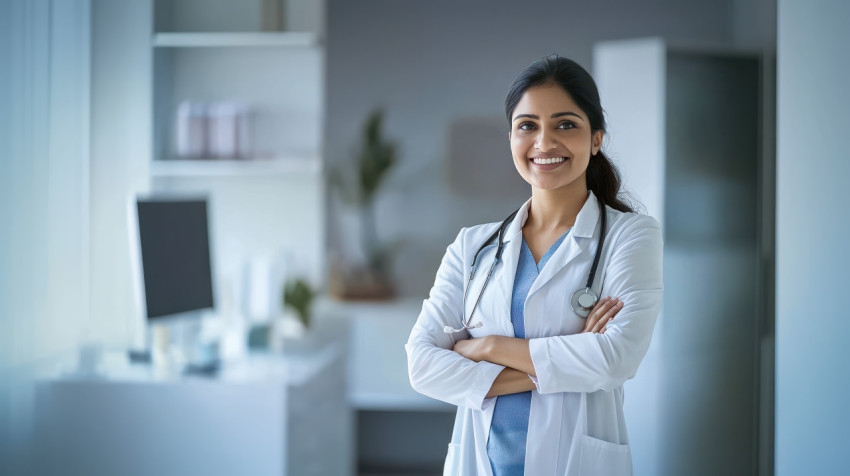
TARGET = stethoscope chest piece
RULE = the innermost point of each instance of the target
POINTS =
(583, 300)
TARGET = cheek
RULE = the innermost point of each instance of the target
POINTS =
(518, 149)
(518, 156)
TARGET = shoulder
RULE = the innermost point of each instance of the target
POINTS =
(633, 220)
(629, 225)
(481, 231)
(470, 237)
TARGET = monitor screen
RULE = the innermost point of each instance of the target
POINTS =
(175, 256)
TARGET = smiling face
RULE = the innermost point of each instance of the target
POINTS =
(551, 139)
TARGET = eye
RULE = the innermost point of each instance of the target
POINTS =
(526, 126)
(567, 125)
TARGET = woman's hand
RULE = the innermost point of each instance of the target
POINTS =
(604, 311)
(474, 349)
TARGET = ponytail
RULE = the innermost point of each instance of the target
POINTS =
(603, 179)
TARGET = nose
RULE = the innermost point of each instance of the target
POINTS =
(545, 140)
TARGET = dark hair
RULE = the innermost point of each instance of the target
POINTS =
(603, 179)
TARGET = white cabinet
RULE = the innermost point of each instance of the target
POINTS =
(266, 415)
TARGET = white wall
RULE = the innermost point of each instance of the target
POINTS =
(44, 219)
(812, 223)
(44, 167)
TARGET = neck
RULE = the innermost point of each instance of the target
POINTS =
(555, 210)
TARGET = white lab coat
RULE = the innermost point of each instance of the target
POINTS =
(576, 425)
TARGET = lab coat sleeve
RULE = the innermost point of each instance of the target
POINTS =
(434, 368)
(589, 362)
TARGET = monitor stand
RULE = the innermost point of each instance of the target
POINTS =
(137, 356)
(206, 369)
(176, 343)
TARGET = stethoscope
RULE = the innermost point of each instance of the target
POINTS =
(582, 301)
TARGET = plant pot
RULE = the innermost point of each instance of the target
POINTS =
(360, 284)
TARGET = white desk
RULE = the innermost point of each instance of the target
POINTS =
(266, 415)
(377, 366)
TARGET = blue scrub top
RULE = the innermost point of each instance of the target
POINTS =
(509, 428)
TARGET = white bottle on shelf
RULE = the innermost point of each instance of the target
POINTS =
(228, 130)
(191, 130)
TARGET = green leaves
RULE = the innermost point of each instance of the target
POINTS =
(298, 295)
(358, 183)
(376, 157)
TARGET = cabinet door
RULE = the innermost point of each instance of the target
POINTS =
(709, 354)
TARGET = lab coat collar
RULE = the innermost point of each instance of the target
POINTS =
(584, 226)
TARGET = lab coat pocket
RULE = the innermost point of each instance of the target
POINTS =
(452, 466)
(602, 458)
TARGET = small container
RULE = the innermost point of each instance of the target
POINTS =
(222, 130)
(191, 131)
(273, 15)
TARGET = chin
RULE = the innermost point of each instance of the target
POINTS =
(553, 185)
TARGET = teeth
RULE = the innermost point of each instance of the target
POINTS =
(549, 161)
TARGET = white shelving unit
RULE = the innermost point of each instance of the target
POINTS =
(236, 168)
(209, 51)
(270, 203)
(249, 39)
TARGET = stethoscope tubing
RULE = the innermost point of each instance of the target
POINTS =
(575, 300)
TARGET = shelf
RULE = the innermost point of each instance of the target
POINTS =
(235, 168)
(195, 40)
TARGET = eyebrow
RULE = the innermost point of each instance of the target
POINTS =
(557, 114)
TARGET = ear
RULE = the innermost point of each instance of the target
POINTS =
(596, 143)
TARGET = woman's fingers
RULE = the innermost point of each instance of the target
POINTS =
(609, 314)
(593, 315)
(604, 311)
(597, 312)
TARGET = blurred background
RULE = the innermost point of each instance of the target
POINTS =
(219, 218)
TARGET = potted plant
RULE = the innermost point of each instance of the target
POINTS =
(293, 332)
(370, 279)
(298, 297)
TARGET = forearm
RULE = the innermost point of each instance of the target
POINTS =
(511, 381)
(511, 352)
(447, 376)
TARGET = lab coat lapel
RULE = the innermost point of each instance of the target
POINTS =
(510, 260)
(572, 246)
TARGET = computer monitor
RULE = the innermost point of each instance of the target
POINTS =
(174, 253)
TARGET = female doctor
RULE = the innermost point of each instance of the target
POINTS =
(533, 358)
